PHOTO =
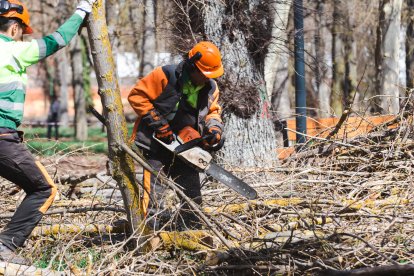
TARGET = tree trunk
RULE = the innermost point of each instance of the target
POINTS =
(62, 77)
(277, 49)
(121, 164)
(354, 96)
(387, 54)
(149, 43)
(409, 45)
(350, 78)
(249, 130)
(278, 53)
(112, 9)
(338, 56)
(136, 19)
(81, 126)
(323, 72)
(63, 68)
(344, 54)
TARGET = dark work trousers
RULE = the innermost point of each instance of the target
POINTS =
(187, 177)
(50, 124)
(19, 166)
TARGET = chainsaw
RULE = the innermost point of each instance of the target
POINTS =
(187, 149)
(201, 160)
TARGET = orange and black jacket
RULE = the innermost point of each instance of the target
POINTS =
(161, 93)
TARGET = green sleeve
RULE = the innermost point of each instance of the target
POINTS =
(63, 35)
(29, 53)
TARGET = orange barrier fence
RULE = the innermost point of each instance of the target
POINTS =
(322, 127)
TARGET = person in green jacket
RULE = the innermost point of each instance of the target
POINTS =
(16, 162)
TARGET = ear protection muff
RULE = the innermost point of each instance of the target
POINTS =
(192, 60)
(6, 6)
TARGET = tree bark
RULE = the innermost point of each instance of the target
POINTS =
(137, 21)
(60, 83)
(63, 67)
(81, 126)
(121, 164)
(387, 54)
(149, 43)
(409, 45)
(112, 9)
(350, 78)
(338, 56)
(251, 139)
(322, 72)
(351, 96)
(277, 50)
(344, 54)
(279, 73)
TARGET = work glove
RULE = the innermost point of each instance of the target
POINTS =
(165, 134)
(215, 132)
(86, 5)
(159, 125)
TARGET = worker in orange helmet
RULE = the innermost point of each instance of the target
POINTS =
(177, 100)
(16, 162)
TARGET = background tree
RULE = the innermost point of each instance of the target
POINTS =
(276, 61)
(409, 44)
(322, 43)
(387, 54)
(81, 125)
(149, 42)
(338, 56)
(240, 29)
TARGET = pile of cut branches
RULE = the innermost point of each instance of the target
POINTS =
(334, 206)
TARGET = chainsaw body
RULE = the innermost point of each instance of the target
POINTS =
(201, 160)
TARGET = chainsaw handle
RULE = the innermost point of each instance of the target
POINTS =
(217, 146)
(183, 147)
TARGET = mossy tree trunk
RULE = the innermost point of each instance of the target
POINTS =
(121, 164)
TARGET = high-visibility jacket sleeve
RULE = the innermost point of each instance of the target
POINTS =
(29, 53)
(146, 91)
(214, 115)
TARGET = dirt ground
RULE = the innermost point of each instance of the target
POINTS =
(75, 165)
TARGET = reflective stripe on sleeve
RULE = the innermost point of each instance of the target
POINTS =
(11, 106)
(16, 85)
(59, 39)
(42, 48)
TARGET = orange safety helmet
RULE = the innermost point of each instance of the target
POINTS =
(210, 61)
(18, 10)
